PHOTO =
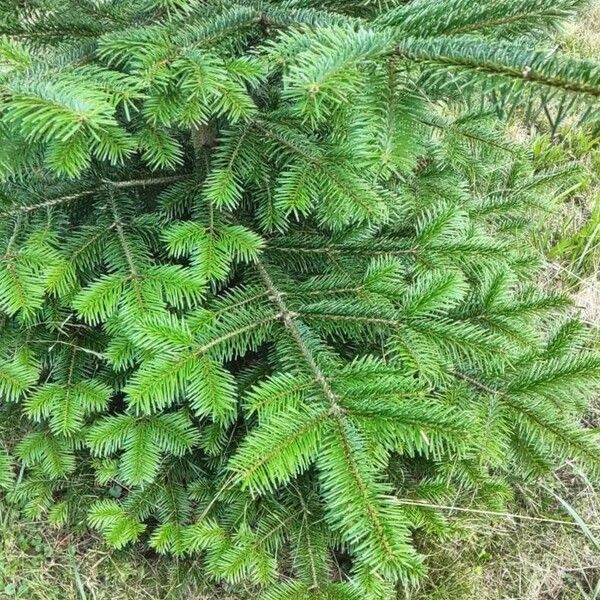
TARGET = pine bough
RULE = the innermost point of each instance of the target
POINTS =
(266, 291)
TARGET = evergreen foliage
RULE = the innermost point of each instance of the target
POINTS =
(265, 279)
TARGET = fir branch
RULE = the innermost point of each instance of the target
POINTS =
(289, 320)
(114, 184)
(506, 62)
(253, 350)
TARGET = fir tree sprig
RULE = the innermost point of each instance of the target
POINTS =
(264, 275)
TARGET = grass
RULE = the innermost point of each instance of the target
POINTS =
(38, 562)
(572, 242)
(514, 559)
(582, 36)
